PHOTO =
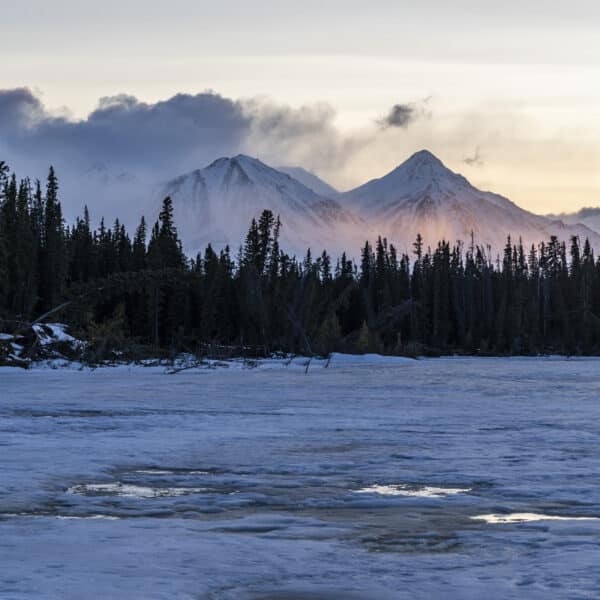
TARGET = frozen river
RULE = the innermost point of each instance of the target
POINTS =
(449, 478)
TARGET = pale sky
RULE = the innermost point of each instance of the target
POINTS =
(512, 85)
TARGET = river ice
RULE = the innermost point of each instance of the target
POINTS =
(445, 478)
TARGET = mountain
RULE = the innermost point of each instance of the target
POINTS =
(590, 217)
(423, 196)
(216, 204)
(310, 180)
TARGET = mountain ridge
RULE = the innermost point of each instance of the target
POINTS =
(421, 195)
(310, 180)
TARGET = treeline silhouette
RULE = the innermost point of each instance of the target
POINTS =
(142, 291)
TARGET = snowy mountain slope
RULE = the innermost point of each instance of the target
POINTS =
(311, 181)
(590, 217)
(423, 196)
(216, 204)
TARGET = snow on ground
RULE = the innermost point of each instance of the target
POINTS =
(188, 361)
(477, 477)
(53, 333)
(427, 491)
(528, 518)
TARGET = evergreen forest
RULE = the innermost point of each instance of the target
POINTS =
(138, 292)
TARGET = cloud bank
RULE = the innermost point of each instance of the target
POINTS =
(126, 145)
(186, 131)
(123, 132)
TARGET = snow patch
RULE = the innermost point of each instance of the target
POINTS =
(53, 333)
(404, 490)
(527, 518)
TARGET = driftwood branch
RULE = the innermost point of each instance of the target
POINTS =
(51, 312)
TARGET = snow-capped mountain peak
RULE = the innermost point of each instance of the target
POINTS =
(424, 168)
(423, 176)
(217, 203)
(243, 170)
(424, 196)
(420, 164)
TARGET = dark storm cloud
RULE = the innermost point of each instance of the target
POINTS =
(285, 122)
(403, 115)
(126, 142)
(400, 115)
(156, 141)
(19, 109)
(164, 139)
(184, 131)
(189, 126)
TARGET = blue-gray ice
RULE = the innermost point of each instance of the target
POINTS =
(450, 478)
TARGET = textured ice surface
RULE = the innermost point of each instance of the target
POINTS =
(133, 491)
(242, 484)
